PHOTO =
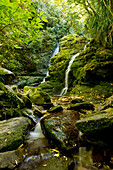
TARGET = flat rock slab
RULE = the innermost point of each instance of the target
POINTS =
(12, 132)
(60, 128)
(10, 159)
(95, 123)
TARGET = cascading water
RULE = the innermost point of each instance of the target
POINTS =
(37, 133)
(54, 53)
(64, 90)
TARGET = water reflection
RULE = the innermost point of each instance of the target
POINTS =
(85, 158)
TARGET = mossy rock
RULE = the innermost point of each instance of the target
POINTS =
(93, 65)
(83, 105)
(8, 112)
(9, 159)
(60, 128)
(13, 132)
(26, 100)
(11, 97)
(97, 122)
(6, 76)
(55, 109)
(37, 96)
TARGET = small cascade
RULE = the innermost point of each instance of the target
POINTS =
(64, 90)
(37, 133)
(54, 53)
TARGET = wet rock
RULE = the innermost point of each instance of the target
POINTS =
(6, 76)
(37, 96)
(33, 146)
(10, 159)
(60, 128)
(97, 126)
(26, 100)
(12, 132)
(76, 100)
(108, 103)
(83, 105)
(28, 81)
(29, 113)
(55, 109)
(10, 96)
(37, 111)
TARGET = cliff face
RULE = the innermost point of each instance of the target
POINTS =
(93, 65)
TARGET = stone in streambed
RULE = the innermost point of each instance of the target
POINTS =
(83, 105)
(97, 122)
(60, 128)
(55, 109)
(10, 159)
(12, 132)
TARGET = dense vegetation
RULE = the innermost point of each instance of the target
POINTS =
(30, 29)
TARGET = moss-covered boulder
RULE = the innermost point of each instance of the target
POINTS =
(10, 159)
(60, 128)
(55, 109)
(83, 105)
(10, 96)
(12, 132)
(6, 76)
(101, 123)
(37, 96)
(12, 102)
(93, 65)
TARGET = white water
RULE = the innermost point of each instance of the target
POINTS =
(54, 53)
(37, 133)
(64, 90)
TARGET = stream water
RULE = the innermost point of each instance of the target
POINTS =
(87, 157)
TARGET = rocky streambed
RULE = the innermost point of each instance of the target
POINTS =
(42, 132)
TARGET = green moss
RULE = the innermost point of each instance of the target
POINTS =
(93, 124)
(37, 96)
(55, 109)
(83, 105)
(13, 133)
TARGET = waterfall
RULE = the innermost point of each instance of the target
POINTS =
(37, 133)
(64, 90)
(54, 53)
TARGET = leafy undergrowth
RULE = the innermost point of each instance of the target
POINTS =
(95, 94)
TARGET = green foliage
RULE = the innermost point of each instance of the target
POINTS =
(96, 19)
(20, 23)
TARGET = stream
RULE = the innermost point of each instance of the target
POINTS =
(41, 154)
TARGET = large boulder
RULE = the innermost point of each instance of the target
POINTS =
(12, 103)
(97, 127)
(6, 76)
(83, 105)
(10, 96)
(12, 132)
(60, 128)
(11, 159)
(37, 96)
